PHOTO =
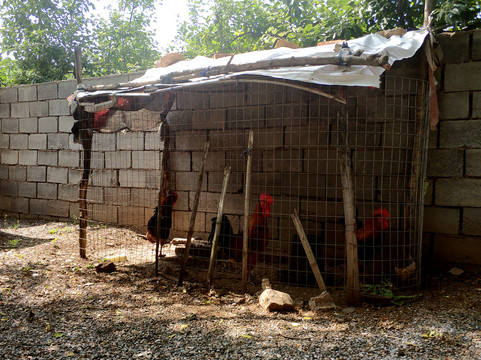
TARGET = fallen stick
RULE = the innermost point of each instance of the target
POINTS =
(245, 244)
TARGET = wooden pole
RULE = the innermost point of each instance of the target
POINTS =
(86, 140)
(245, 244)
(193, 215)
(428, 9)
(353, 290)
(218, 222)
(308, 250)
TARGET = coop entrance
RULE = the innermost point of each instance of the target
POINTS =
(301, 135)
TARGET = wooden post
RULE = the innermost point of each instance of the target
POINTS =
(428, 9)
(245, 245)
(353, 290)
(193, 215)
(218, 222)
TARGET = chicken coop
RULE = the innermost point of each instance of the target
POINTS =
(335, 138)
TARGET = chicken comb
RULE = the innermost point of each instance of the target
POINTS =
(174, 195)
(268, 199)
(383, 212)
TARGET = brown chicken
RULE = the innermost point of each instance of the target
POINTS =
(167, 203)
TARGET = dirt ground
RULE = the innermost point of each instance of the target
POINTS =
(54, 304)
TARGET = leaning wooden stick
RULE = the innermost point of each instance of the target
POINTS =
(245, 247)
(215, 241)
(193, 215)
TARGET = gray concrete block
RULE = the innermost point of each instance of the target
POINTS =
(138, 179)
(105, 214)
(445, 163)
(28, 125)
(152, 141)
(57, 175)
(47, 191)
(428, 196)
(433, 138)
(59, 208)
(454, 106)
(72, 145)
(36, 173)
(245, 118)
(209, 119)
(263, 94)
(74, 210)
(180, 161)
(4, 172)
(215, 161)
(180, 120)
(17, 173)
(270, 139)
(9, 157)
(189, 141)
(48, 125)
(122, 196)
(460, 77)
(47, 91)
(461, 133)
(441, 220)
(20, 205)
(455, 47)
(48, 158)
(68, 192)
(4, 110)
(187, 181)
(8, 95)
(130, 141)
(38, 109)
(58, 107)
(38, 207)
(9, 188)
(476, 44)
(118, 159)
(74, 176)
(27, 189)
(458, 192)
(104, 178)
(65, 124)
(69, 159)
(187, 100)
(456, 249)
(18, 141)
(37, 141)
(306, 135)
(66, 88)
(473, 162)
(27, 93)
(221, 140)
(145, 160)
(57, 141)
(287, 114)
(4, 141)
(477, 105)
(471, 221)
(104, 142)
(10, 126)
(282, 160)
(145, 198)
(27, 157)
(181, 221)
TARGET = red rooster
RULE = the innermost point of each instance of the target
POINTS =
(372, 227)
(167, 203)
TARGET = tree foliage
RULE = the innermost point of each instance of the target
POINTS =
(243, 25)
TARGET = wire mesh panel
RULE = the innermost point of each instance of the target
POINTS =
(298, 134)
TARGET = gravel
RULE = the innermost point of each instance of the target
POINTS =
(53, 305)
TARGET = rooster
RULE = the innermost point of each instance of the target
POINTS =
(369, 233)
(258, 234)
(166, 205)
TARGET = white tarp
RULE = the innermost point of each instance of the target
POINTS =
(396, 48)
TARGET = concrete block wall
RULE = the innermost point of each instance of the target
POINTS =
(451, 223)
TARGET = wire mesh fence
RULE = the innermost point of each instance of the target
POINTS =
(298, 136)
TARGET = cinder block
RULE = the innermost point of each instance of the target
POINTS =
(229, 99)
(454, 106)
(27, 93)
(441, 220)
(471, 221)
(48, 158)
(104, 178)
(457, 249)
(473, 162)
(65, 124)
(37, 142)
(4, 110)
(5, 202)
(306, 136)
(145, 198)
(223, 139)
(283, 160)
(46, 191)
(28, 125)
(9, 188)
(262, 94)
(8, 95)
(145, 160)
(58, 107)
(18, 141)
(477, 105)
(131, 216)
(215, 161)
(209, 119)
(74, 176)
(457, 134)
(476, 44)
(4, 172)
(73, 146)
(4, 141)
(66, 88)
(187, 140)
(118, 159)
(187, 181)
(27, 157)
(47, 91)
(9, 157)
(36, 173)
(180, 120)
(130, 141)
(215, 180)
(48, 125)
(118, 196)
(180, 161)
(287, 114)
(39, 207)
(9, 126)
(138, 179)
(20, 205)
(38, 109)
(68, 192)
(152, 141)
(59, 208)
(187, 100)
(27, 189)
(458, 192)
(445, 163)
(455, 47)
(460, 77)
(181, 221)
(74, 210)
(57, 141)
(57, 175)
(246, 118)
(17, 173)
(428, 195)
(105, 214)
(269, 139)
(69, 159)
